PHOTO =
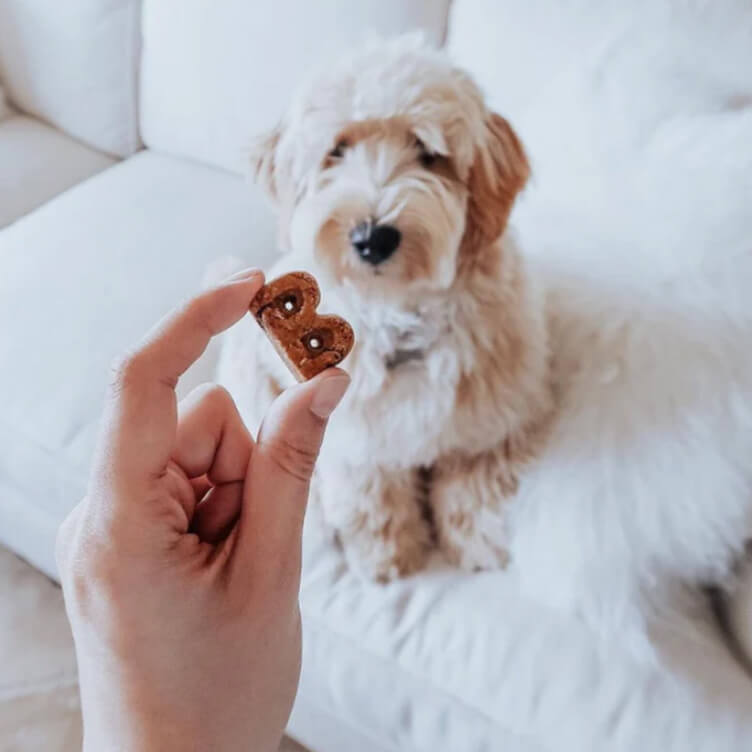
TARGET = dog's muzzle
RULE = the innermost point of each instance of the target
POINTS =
(375, 243)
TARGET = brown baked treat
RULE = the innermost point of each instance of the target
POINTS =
(306, 341)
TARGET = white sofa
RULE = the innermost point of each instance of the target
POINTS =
(121, 178)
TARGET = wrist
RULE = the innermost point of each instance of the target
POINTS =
(126, 731)
(121, 717)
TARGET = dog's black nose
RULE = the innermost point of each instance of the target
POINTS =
(375, 243)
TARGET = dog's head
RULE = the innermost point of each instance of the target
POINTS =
(391, 171)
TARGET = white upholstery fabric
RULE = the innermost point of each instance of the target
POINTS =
(37, 162)
(516, 49)
(212, 79)
(83, 277)
(74, 64)
(450, 661)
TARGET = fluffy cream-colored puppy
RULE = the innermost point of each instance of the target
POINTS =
(393, 184)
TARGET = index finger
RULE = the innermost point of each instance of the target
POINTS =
(141, 416)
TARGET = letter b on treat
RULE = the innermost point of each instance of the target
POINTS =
(307, 341)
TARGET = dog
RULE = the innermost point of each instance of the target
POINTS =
(393, 184)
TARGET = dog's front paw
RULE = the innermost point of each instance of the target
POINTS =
(469, 512)
(380, 522)
(473, 550)
(386, 559)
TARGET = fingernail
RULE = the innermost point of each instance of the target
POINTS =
(244, 274)
(328, 395)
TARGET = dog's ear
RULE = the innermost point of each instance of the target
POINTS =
(263, 162)
(498, 173)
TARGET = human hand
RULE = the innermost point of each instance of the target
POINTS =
(181, 566)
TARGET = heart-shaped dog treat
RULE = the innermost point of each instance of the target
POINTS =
(307, 341)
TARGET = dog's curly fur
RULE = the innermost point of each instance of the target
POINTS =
(450, 371)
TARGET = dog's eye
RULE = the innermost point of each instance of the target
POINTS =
(426, 157)
(339, 150)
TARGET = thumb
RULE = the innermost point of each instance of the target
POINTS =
(279, 476)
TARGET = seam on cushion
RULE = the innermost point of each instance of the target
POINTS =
(323, 626)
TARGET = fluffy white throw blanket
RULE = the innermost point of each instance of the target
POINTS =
(639, 218)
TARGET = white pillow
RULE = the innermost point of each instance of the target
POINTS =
(74, 65)
(215, 75)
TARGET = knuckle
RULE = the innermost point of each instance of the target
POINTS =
(82, 579)
(77, 586)
(84, 563)
(216, 395)
(196, 309)
(209, 398)
(99, 568)
(125, 371)
(294, 458)
(94, 562)
(92, 575)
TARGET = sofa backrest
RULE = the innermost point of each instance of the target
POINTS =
(214, 74)
(517, 50)
(74, 63)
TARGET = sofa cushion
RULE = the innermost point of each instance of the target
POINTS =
(74, 64)
(83, 277)
(212, 79)
(38, 162)
(451, 661)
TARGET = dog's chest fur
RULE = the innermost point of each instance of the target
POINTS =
(405, 374)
